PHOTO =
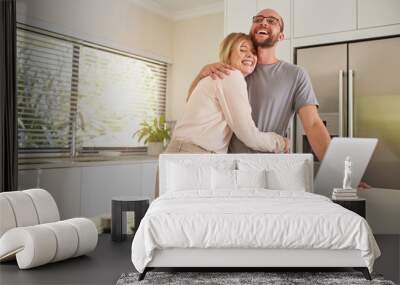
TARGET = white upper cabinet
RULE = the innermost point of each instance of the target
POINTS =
(284, 51)
(315, 17)
(373, 13)
(283, 8)
(238, 15)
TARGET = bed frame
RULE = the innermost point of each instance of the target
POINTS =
(240, 259)
(246, 259)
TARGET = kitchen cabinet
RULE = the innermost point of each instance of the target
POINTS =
(314, 17)
(313, 22)
(284, 51)
(87, 190)
(100, 183)
(373, 13)
(64, 185)
(238, 15)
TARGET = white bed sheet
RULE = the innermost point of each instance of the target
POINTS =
(251, 218)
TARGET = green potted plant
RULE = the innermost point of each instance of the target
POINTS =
(154, 133)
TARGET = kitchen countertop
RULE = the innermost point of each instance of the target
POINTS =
(82, 161)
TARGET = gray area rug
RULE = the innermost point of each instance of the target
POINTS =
(269, 278)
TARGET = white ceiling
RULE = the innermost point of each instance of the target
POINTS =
(179, 9)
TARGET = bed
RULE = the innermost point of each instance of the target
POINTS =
(247, 210)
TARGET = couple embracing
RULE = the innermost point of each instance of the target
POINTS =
(244, 103)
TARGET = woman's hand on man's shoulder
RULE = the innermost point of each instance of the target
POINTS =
(216, 70)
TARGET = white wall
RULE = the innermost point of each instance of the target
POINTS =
(195, 43)
(117, 24)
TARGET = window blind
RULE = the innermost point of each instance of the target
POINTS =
(67, 87)
(44, 78)
(116, 93)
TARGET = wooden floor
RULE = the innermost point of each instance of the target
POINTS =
(111, 259)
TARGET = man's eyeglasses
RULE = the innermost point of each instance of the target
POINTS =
(270, 20)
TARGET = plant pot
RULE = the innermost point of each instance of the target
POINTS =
(155, 148)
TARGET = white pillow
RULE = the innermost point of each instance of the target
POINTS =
(181, 177)
(292, 179)
(229, 179)
(251, 179)
(223, 179)
(283, 173)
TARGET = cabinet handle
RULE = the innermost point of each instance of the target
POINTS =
(341, 103)
(351, 103)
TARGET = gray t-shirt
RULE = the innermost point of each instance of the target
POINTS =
(276, 92)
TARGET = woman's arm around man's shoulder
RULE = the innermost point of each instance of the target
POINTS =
(214, 70)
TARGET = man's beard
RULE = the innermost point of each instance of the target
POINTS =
(270, 42)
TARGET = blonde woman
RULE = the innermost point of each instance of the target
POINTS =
(218, 108)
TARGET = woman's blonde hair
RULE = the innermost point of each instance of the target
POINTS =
(226, 47)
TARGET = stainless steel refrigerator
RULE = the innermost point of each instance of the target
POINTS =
(358, 87)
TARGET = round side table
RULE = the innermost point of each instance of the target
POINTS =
(121, 204)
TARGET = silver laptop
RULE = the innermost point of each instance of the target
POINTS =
(331, 172)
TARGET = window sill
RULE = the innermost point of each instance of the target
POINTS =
(81, 161)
